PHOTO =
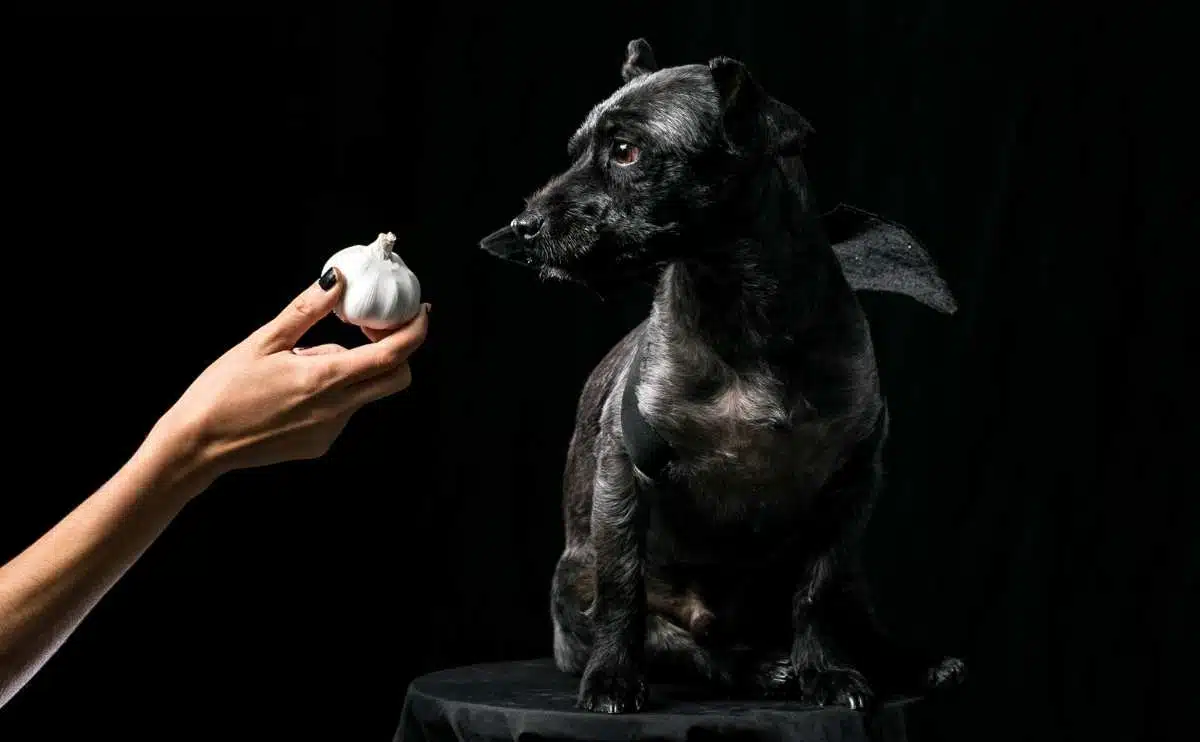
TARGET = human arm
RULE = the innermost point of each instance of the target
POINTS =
(48, 589)
(260, 403)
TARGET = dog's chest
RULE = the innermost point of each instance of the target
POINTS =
(741, 447)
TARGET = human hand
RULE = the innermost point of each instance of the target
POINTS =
(264, 402)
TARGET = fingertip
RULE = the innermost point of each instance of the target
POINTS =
(319, 350)
(323, 295)
(319, 299)
(330, 280)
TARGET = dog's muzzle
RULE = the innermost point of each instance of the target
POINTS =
(516, 241)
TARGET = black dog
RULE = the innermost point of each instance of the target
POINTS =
(728, 450)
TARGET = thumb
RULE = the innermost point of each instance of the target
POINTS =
(306, 310)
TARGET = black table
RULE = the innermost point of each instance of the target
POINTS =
(532, 700)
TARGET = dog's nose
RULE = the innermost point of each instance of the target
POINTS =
(528, 225)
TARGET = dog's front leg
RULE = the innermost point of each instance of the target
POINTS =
(614, 681)
(839, 643)
(826, 613)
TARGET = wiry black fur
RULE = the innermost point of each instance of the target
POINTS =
(739, 567)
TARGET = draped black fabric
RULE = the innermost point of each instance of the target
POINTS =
(174, 180)
(532, 700)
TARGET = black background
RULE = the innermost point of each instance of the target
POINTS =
(173, 181)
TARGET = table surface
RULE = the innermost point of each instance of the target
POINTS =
(533, 700)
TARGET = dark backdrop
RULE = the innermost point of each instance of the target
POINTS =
(174, 181)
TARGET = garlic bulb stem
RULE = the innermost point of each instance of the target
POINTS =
(384, 244)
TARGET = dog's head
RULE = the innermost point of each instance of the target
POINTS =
(652, 167)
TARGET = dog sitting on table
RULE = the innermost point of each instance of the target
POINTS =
(727, 451)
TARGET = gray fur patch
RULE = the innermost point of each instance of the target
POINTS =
(683, 119)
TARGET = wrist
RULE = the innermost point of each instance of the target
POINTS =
(179, 458)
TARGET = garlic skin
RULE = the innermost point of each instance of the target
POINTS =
(380, 292)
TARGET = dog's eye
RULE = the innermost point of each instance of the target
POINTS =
(624, 153)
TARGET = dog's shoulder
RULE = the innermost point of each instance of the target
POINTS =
(607, 374)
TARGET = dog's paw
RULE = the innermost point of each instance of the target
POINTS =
(612, 688)
(775, 677)
(835, 686)
(948, 673)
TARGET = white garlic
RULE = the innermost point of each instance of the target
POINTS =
(380, 291)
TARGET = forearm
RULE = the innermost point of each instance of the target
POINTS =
(47, 590)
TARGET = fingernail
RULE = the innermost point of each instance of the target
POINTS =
(328, 280)
(428, 308)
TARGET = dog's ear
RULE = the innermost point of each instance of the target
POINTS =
(639, 60)
(753, 121)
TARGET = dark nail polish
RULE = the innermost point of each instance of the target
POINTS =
(328, 280)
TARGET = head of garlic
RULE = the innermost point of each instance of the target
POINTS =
(380, 292)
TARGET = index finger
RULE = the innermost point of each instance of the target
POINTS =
(300, 314)
(384, 356)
